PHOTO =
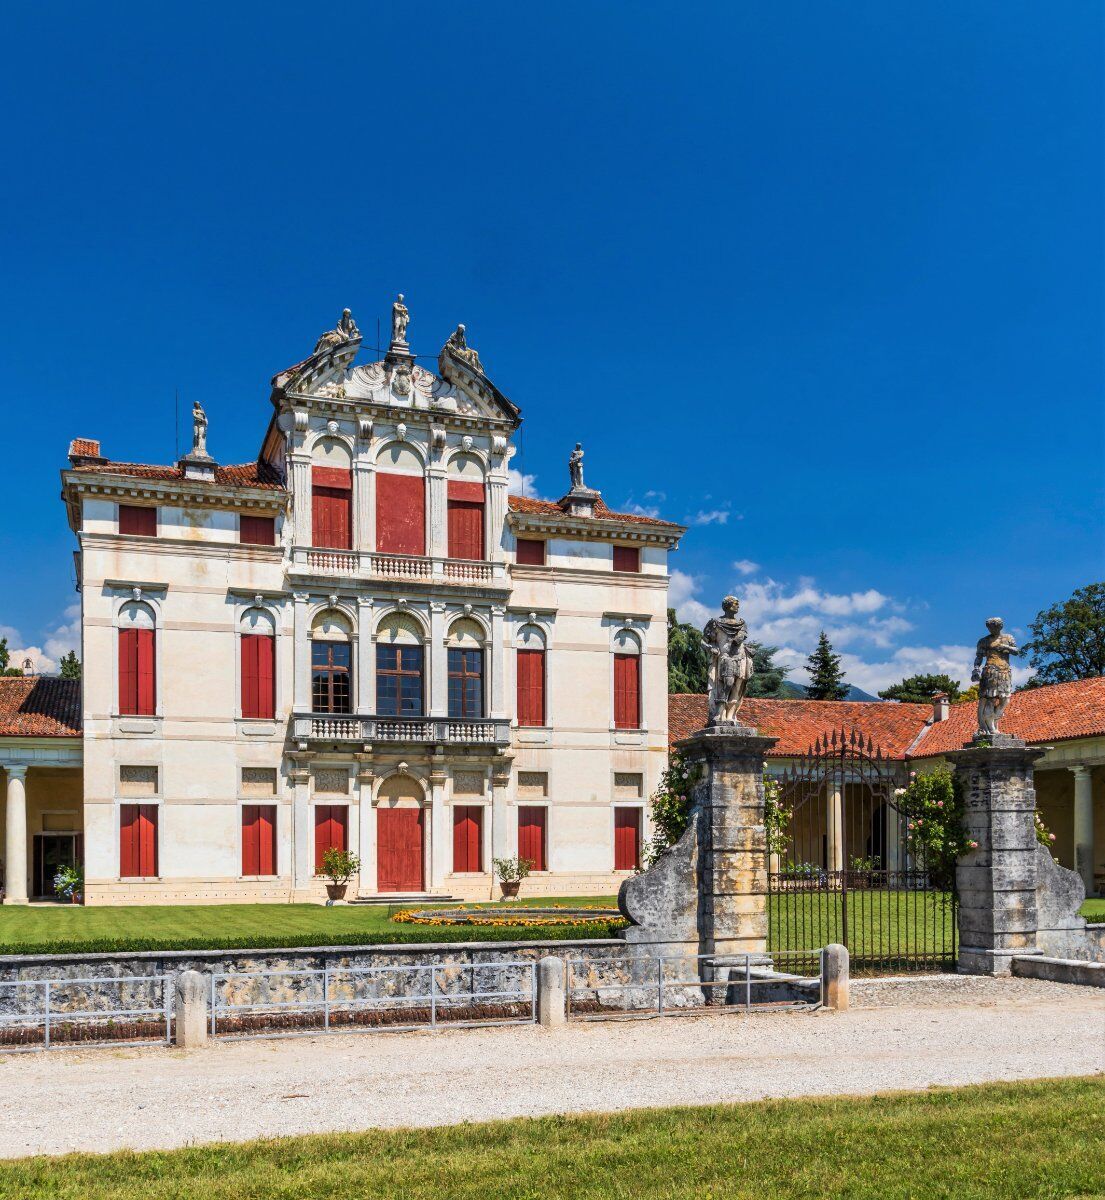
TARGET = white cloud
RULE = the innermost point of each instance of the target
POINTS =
(651, 495)
(715, 516)
(522, 485)
(746, 566)
(63, 637)
(682, 589)
(771, 597)
(66, 635)
(642, 510)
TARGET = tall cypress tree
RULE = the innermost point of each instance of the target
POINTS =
(823, 668)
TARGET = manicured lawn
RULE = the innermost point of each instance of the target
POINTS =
(71, 928)
(1039, 1139)
(1094, 910)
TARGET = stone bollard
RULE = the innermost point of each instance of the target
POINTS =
(190, 1009)
(551, 1008)
(834, 977)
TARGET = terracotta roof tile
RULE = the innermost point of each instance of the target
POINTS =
(1045, 714)
(524, 504)
(254, 474)
(84, 448)
(40, 706)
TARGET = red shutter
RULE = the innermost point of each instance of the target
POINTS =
(531, 687)
(258, 839)
(258, 676)
(330, 827)
(147, 674)
(627, 691)
(138, 841)
(465, 529)
(128, 840)
(627, 558)
(128, 671)
(627, 839)
(531, 835)
(530, 552)
(331, 507)
(467, 827)
(400, 514)
(138, 519)
(257, 531)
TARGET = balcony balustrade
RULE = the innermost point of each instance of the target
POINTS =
(367, 564)
(446, 731)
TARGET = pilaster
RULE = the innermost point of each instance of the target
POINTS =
(364, 505)
(497, 666)
(301, 637)
(438, 663)
(366, 842)
(439, 833)
(299, 776)
(366, 658)
(300, 470)
(504, 836)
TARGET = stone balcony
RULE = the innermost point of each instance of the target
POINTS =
(315, 562)
(330, 728)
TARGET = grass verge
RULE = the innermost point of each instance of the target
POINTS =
(1039, 1139)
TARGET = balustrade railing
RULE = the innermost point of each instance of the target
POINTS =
(316, 560)
(331, 728)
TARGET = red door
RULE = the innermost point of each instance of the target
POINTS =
(399, 850)
(627, 839)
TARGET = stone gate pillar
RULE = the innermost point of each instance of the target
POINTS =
(997, 882)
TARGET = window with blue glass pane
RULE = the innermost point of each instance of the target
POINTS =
(399, 681)
(466, 683)
(331, 690)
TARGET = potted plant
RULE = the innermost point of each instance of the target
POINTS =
(69, 884)
(339, 866)
(511, 872)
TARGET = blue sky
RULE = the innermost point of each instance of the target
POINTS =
(826, 281)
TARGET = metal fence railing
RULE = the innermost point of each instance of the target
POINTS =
(372, 999)
(675, 985)
(39, 1014)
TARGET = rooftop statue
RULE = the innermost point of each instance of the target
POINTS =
(995, 679)
(575, 467)
(457, 344)
(347, 325)
(725, 640)
(199, 431)
(345, 331)
(400, 319)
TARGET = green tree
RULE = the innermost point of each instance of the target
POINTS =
(918, 689)
(70, 665)
(5, 659)
(823, 668)
(768, 678)
(686, 657)
(1068, 639)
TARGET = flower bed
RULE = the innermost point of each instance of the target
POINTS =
(606, 920)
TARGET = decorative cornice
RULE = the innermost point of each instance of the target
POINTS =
(598, 528)
(179, 491)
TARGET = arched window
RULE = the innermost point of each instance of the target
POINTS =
(466, 506)
(137, 660)
(331, 663)
(627, 680)
(466, 670)
(400, 686)
(257, 635)
(400, 501)
(332, 495)
(530, 662)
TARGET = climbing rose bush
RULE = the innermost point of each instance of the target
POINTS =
(932, 809)
(670, 807)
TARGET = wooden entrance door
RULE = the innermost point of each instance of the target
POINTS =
(399, 850)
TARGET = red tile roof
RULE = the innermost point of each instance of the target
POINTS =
(254, 474)
(84, 448)
(40, 706)
(524, 504)
(1047, 714)
(799, 723)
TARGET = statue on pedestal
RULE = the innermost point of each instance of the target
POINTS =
(199, 431)
(575, 468)
(995, 679)
(725, 640)
(457, 342)
(400, 319)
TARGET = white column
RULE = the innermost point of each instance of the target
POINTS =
(436, 497)
(1083, 825)
(364, 505)
(437, 663)
(366, 848)
(301, 636)
(834, 820)
(302, 841)
(301, 498)
(439, 831)
(497, 664)
(366, 658)
(504, 834)
(15, 857)
(495, 515)
(893, 841)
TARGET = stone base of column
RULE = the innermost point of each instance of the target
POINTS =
(975, 961)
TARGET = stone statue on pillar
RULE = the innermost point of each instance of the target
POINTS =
(199, 431)
(725, 640)
(457, 344)
(575, 468)
(995, 679)
(400, 319)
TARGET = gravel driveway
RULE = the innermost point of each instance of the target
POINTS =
(908, 1034)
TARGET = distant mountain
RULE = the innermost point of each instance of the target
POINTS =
(795, 691)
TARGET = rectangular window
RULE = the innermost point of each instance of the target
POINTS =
(531, 687)
(627, 839)
(138, 841)
(137, 673)
(331, 688)
(259, 676)
(398, 681)
(465, 515)
(531, 835)
(257, 531)
(139, 519)
(332, 508)
(137, 781)
(467, 837)
(258, 839)
(258, 781)
(530, 552)
(400, 514)
(627, 558)
(330, 830)
(466, 683)
(627, 691)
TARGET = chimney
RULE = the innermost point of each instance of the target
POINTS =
(85, 452)
(941, 708)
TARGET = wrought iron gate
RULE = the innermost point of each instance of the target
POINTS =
(847, 873)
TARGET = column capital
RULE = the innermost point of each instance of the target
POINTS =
(1080, 770)
(16, 770)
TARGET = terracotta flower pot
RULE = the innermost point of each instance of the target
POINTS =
(510, 888)
(336, 891)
